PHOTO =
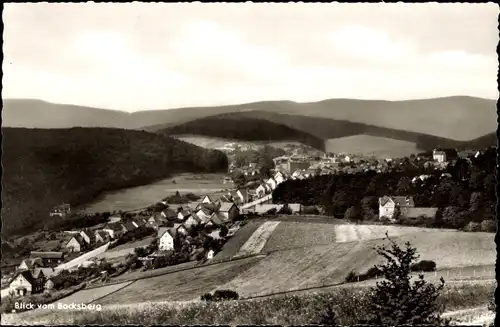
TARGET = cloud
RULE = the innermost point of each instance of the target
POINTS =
(205, 46)
(366, 43)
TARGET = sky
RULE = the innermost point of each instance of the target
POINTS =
(143, 56)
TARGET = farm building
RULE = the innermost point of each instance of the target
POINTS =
(388, 204)
(61, 210)
(414, 213)
(48, 258)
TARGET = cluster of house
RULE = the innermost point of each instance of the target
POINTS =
(61, 210)
(36, 274)
(388, 207)
(208, 213)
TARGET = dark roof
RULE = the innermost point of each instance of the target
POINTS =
(162, 230)
(169, 213)
(47, 255)
(129, 226)
(402, 201)
(114, 226)
(419, 212)
(101, 234)
(78, 238)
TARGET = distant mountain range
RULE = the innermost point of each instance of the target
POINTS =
(458, 121)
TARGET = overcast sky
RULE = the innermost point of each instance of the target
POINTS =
(138, 56)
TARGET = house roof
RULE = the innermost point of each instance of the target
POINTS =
(185, 213)
(78, 238)
(128, 226)
(418, 212)
(206, 196)
(169, 213)
(101, 234)
(26, 274)
(226, 206)
(88, 233)
(177, 226)
(402, 201)
(194, 205)
(163, 230)
(217, 219)
(47, 255)
(209, 208)
(30, 262)
(114, 226)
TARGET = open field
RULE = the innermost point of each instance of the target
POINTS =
(258, 240)
(124, 249)
(234, 244)
(366, 144)
(143, 196)
(300, 309)
(184, 285)
(294, 264)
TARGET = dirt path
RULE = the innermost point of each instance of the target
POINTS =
(258, 240)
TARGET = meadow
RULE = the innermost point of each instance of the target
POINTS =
(233, 245)
(349, 303)
(178, 286)
(257, 241)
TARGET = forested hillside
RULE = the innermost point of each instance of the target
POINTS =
(43, 168)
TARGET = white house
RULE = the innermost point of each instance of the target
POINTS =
(165, 238)
(206, 199)
(24, 283)
(272, 183)
(279, 177)
(261, 191)
(192, 220)
(388, 204)
(88, 237)
(183, 214)
(439, 156)
(179, 228)
(210, 254)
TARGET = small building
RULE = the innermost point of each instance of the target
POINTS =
(210, 254)
(88, 237)
(444, 155)
(23, 283)
(216, 220)
(183, 214)
(192, 220)
(272, 183)
(229, 211)
(165, 237)
(115, 219)
(168, 213)
(101, 236)
(75, 244)
(206, 199)
(179, 228)
(61, 210)
(260, 191)
(388, 204)
(419, 212)
(48, 258)
(279, 177)
(114, 230)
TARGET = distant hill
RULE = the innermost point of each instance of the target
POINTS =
(260, 125)
(238, 127)
(458, 117)
(46, 167)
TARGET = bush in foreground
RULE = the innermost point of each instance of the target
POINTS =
(220, 295)
(397, 301)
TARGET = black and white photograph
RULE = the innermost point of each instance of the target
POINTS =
(249, 163)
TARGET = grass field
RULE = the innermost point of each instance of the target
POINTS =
(257, 241)
(234, 244)
(371, 145)
(303, 309)
(184, 285)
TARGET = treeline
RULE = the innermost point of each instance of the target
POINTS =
(463, 193)
(43, 168)
(245, 129)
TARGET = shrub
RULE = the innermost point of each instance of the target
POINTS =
(351, 277)
(489, 226)
(424, 265)
(397, 301)
(472, 227)
(328, 316)
(285, 210)
(206, 297)
(222, 295)
(271, 211)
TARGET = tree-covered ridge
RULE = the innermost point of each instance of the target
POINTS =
(46, 167)
(464, 192)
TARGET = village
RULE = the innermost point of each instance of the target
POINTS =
(170, 234)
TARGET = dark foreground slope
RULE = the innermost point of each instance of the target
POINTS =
(236, 127)
(43, 168)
